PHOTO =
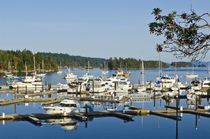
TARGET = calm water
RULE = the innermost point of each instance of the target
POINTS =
(190, 126)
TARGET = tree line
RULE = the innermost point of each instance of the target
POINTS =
(17, 61)
(66, 60)
(131, 63)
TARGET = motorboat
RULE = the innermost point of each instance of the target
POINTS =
(206, 82)
(65, 107)
(191, 76)
(121, 73)
(59, 72)
(164, 82)
(105, 72)
(70, 75)
(87, 76)
(29, 82)
(8, 75)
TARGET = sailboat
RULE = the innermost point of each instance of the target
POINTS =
(35, 72)
(121, 73)
(88, 67)
(59, 71)
(31, 82)
(142, 88)
(41, 74)
(192, 75)
(105, 70)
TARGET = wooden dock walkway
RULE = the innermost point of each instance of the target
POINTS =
(201, 112)
(36, 118)
(37, 94)
(27, 100)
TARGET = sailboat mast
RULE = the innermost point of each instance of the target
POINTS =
(42, 65)
(159, 65)
(9, 66)
(88, 66)
(34, 65)
(142, 71)
(26, 69)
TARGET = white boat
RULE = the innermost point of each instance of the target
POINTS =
(99, 86)
(191, 96)
(70, 75)
(191, 76)
(87, 76)
(41, 74)
(164, 82)
(141, 89)
(121, 73)
(206, 82)
(66, 106)
(105, 72)
(105, 69)
(8, 74)
(59, 72)
(29, 82)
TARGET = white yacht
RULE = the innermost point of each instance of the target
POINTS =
(164, 82)
(87, 76)
(66, 106)
(70, 75)
(121, 73)
(191, 76)
(29, 82)
(206, 82)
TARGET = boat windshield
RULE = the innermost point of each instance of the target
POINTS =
(68, 105)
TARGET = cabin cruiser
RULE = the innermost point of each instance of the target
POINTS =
(8, 74)
(29, 82)
(164, 82)
(59, 72)
(87, 76)
(66, 106)
(206, 82)
(105, 72)
(196, 85)
(191, 76)
(99, 86)
(70, 75)
(121, 73)
(119, 84)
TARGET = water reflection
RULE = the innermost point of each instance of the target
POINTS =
(65, 123)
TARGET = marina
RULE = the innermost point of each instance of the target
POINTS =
(108, 69)
(126, 105)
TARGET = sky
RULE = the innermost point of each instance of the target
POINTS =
(93, 28)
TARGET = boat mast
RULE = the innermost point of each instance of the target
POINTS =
(9, 66)
(160, 66)
(26, 69)
(142, 71)
(88, 67)
(42, 65)
(34, 65)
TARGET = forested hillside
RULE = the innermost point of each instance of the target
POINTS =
(131, 63)
(15, 61)
(74, 61)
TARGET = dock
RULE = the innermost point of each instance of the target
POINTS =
(27, 100)
(36, 118)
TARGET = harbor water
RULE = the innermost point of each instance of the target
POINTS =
(146, 127)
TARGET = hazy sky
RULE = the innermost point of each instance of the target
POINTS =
(95, 28)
